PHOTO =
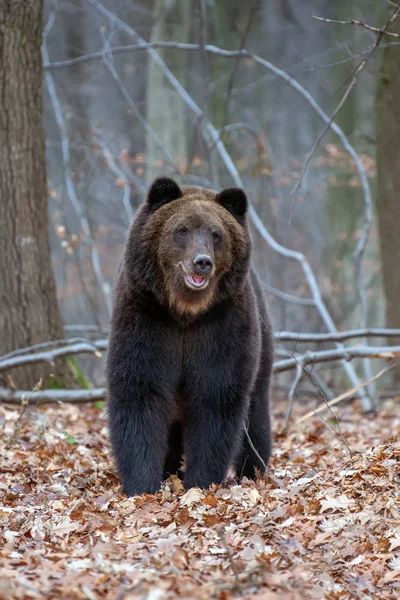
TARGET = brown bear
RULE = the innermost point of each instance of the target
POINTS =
(190, 353)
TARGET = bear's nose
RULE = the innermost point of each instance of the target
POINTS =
(202, 264)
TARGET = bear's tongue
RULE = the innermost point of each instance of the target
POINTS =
(196, 280)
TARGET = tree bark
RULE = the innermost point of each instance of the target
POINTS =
(388, 166)
(28, 302)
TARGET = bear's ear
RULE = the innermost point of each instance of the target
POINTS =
(162, 191)
(235, 201)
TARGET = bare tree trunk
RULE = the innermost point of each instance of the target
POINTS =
(28, 302)
(388, 197)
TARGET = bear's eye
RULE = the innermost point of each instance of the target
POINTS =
(182, 231)
(216, 236)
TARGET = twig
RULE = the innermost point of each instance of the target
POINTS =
(49, 396)
(296, 381)
(246, 430)
(344, 396)
(312, 358)
(359, 23)
(292, 336)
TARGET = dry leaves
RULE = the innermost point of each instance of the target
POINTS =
(320, 524)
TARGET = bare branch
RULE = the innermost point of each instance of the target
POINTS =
(144, 46)
(359, 23)
(49, 396)
(269, 289)
(312, 358)
(292, 336)
(353, 81)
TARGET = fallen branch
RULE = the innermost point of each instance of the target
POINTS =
(50, 356)
(82, 396)
(24, 356)
(340, 336)
(49, 396)
(312, 358)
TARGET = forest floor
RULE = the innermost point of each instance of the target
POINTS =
(323, 523)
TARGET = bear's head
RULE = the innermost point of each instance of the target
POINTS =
(190, 246)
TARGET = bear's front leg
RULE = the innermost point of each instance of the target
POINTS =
(142, 377)
(139, 437)
(214, 431)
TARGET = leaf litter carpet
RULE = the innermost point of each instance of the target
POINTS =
(322, 523)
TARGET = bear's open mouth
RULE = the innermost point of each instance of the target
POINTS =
(196, 282)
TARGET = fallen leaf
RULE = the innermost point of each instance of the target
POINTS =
(192, 496)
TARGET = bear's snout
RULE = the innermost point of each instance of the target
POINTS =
(202, 264)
